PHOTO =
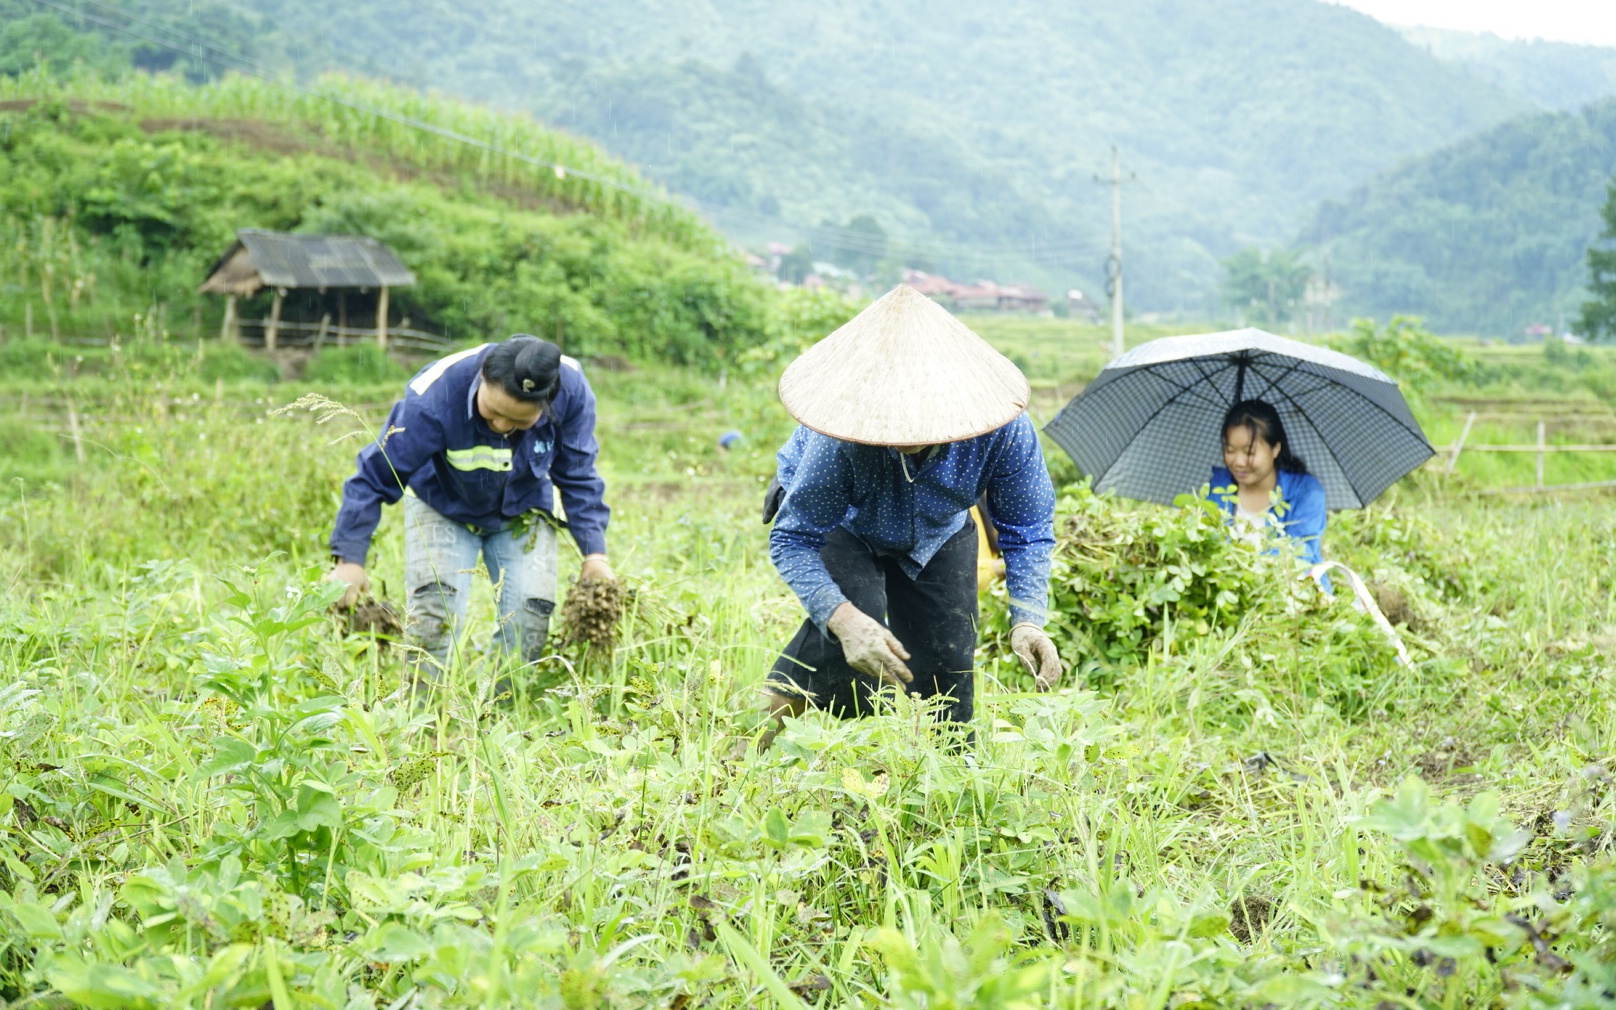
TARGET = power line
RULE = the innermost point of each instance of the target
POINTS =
(853, 240)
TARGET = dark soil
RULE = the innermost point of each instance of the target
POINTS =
(1249, 915)
(592, 612)
(1438, 764)
(372, 617)
(1393, 602)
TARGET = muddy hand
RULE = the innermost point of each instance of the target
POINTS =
(1038, 652)
(596, 567)
(358, 582)
(869, 647)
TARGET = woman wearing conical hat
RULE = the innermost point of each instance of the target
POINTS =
(906, 418)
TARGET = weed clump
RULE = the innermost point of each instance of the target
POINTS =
(591, 614)
(1249, 915)
(1121, 576)
(371, 616)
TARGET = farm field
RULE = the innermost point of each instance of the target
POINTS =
(1238, 797)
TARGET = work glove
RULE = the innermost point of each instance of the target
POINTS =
(596, 567)
(1038, 653)
(358, 582)
(869, 647)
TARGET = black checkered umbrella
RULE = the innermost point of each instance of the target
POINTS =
(1148, 426)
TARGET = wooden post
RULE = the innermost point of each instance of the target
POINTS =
(227, 329)
(73, 429)
(1458, 446)
(272, 332)
(1540, 430)
(381, 318)
(319, 338)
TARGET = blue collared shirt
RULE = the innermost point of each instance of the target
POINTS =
(437, 445)
(1298, 509)
(909, 506)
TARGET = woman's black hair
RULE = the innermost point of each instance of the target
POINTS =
(525, 367)
(1261, 420)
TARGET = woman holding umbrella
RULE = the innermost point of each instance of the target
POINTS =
(1152, 421)
(1263, 486)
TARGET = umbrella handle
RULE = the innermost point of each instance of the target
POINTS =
(1365, 600)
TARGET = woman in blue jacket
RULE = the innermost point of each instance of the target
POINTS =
(480, 448)
(1263, 486)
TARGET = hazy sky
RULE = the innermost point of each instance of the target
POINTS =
(1587, 21)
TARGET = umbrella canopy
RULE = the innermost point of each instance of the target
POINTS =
(1148, 426)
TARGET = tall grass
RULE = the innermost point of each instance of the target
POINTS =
(215, 799)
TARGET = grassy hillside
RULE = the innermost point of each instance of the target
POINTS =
(1487, 235)
(972, 137)
(117, 196)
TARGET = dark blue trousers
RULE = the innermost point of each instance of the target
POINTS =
(934, 616)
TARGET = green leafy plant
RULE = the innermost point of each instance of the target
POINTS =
(1408, 352)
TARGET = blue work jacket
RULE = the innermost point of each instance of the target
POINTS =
(437, 445)
(909, 506)
(1298, 510)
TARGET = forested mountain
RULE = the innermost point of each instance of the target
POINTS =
(1487, 235)
(971, 134)
(1555, 75)
(976, 128)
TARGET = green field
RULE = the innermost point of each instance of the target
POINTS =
(1237, 799)
(214, 798)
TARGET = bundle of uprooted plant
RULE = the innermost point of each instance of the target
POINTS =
(371, 616)
(591, 614)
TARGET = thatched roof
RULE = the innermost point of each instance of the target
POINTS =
(261, 259)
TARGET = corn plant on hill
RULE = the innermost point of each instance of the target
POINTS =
(117, 196)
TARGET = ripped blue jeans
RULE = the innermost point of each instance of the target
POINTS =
(439, 558)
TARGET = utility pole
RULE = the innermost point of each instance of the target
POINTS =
(1113, 262)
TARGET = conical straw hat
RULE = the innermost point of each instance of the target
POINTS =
(903, 372)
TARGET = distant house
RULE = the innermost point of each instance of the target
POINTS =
(983, 296)
(931, 285)
(317, 272)
(1081, 307)
(1023, 298)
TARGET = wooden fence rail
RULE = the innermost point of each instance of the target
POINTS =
(303, 335)
(1541, 448)
(317, 335)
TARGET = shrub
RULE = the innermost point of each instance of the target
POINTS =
(358, 364)
(1408, 352)
(233, 363)
(1127, 582)
(32, 358)
(29, 453)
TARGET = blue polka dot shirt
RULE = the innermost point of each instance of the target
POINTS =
(909, 506)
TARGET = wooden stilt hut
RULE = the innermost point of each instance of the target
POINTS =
(317, 270)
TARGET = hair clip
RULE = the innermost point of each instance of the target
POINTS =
(527, 385)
